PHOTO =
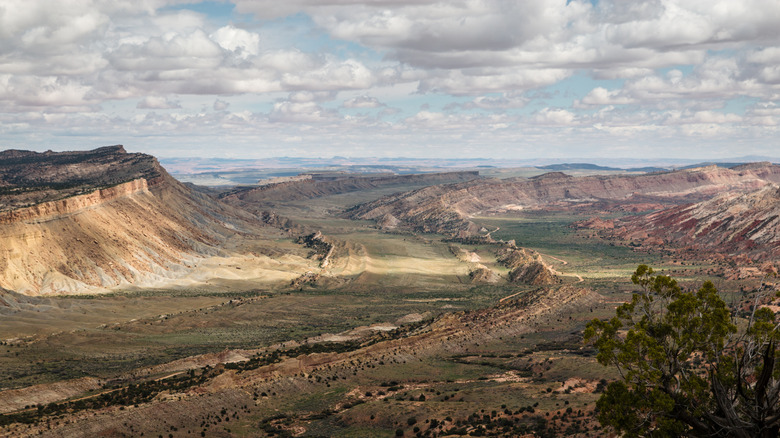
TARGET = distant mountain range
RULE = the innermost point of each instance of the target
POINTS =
(283, 166)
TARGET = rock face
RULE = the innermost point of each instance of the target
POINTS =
(730, 224)
(526, 266)
(31, 178)
(89, 221)
(446, 208)
(482, 274)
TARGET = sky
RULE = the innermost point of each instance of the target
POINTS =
(393, 78)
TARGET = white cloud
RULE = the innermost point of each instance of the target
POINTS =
(480, 81)
(300, 112)
(240, 41)
(553, 116)
(602, 96)
(362, 102)
(157, 102)
(348, 74)
(220, 105)
(673, 66)
(168, 52)
(312, 96)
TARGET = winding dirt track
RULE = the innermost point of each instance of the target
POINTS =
(564, 262)
(491, 232)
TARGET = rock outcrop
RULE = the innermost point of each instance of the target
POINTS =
(729, 224)
(526, 266)
(446, 208)
(84, 222)
(481, 274)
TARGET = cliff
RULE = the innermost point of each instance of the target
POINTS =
(85, 222)
(30, 178)
(75, 203)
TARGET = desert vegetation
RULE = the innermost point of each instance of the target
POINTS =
(332, 314)
(689, 364)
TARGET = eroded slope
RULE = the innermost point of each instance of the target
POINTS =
(446, 208)
(730, 224)
(76, 222)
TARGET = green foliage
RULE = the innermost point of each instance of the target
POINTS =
(688, 366)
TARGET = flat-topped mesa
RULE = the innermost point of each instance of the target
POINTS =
(29, 178)
(11, 154)
(91, 221)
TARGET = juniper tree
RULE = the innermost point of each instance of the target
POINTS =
(688, 364)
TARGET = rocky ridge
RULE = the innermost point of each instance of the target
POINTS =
(76, 222)
(310, 188)
(447, 208)
(294, 373)
(732, 224)
(526, 266)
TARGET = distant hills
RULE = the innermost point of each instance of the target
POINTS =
(571, 166)
(447, 208)
(287, 166)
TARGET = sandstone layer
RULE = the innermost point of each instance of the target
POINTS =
(446, 208)
(85, 222)
(732, 224)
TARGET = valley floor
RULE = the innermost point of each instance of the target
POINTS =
(390, 338)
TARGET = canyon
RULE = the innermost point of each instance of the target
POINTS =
(441, 303)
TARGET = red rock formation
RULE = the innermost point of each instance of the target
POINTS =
(446, 208)
(731, 224)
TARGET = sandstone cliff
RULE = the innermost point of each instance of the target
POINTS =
(76, 222)
(30, 178)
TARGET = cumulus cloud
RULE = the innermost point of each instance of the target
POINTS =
(240, 41)
(602, 96)
(363, 102)
(220, 105)
(614, 38)
(157, 102)
(300, 112)
(611, 68)
(495, 103)
(168, 52)
(554, 116)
